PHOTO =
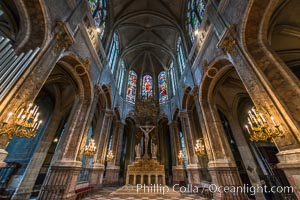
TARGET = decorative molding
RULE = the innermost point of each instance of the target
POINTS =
(227, 41)
(64, 36)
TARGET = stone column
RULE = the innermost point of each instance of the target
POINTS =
(30, 88)
(32, 171)
(245, 152)
(261, 71)
(101, 139)
(192, 167)
(113, 168)
(177, 168)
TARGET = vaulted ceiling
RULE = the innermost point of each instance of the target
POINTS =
(148, 30)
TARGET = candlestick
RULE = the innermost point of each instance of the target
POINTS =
(8, 117)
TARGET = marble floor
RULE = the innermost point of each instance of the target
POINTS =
(106, 194)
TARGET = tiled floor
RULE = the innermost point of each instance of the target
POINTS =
(105, 194)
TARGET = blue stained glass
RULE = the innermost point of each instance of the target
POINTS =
(194, 16)
(99, 12)
(131, 87)
(147, 87)
(163, 87)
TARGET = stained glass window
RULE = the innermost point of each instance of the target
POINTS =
(131, 87)
(194, 16)
(183, 149)
(99, 13)
(163, 87)
(113, 52)
(147, 87)
(121, 76)
(180, 55)
(173, 78)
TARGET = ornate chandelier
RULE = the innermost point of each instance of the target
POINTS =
(24, 122)
(90, 149)
(199, 147)
(259, 129)
(110, 156)
(180, 157)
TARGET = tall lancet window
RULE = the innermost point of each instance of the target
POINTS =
(113, 52)
(147, 87)
(180, 55)
(163, 87)
(131, 87)
(99, 13)
(194, 15)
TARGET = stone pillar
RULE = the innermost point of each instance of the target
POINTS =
(61, 182)
(63, 174)
(32, 171)
(101, 139)
(104, 136)
(177, 168)
(113, 168)
(223, 174)
(289, 162)
(96, 176)
(254, 61)
(245, 152)
(193, 167)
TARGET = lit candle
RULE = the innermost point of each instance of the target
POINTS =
(262, 117)
(37, 108)
(247, 129)
(259, 121)
(36, 117)
(34, 126)
(8, 117)
(29, 106)
(253, 110)
(22, 118)
(251, 125)
(33, 110)
(20, 113)
(39, 125)
(272, 118)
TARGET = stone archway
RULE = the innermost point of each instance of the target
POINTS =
(221, 161)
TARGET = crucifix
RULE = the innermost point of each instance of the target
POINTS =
(146, 130)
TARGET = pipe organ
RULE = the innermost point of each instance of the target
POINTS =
(12, 65)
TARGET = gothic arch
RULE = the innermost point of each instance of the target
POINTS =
(34, 26)
(185, 98)
(106, 90)
(266, 63)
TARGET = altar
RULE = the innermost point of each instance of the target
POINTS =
(146, 170)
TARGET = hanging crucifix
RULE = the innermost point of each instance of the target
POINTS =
(146, 130)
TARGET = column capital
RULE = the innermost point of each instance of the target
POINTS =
(184, 114)
(172, 123)
(109, 113)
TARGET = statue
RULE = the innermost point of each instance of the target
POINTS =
(154, 150)
(138, 151)
(146, 130)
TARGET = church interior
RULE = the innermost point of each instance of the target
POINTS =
(184, 97)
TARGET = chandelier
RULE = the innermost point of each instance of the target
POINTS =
(180, 157)
(90, 149)
(199, 147)
(24, 122)
(110, 156)
(259, 129)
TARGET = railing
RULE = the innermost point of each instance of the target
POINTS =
(12, 65)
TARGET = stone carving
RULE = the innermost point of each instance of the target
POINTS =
(63, 37)
(138, 151)
(228, 42)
